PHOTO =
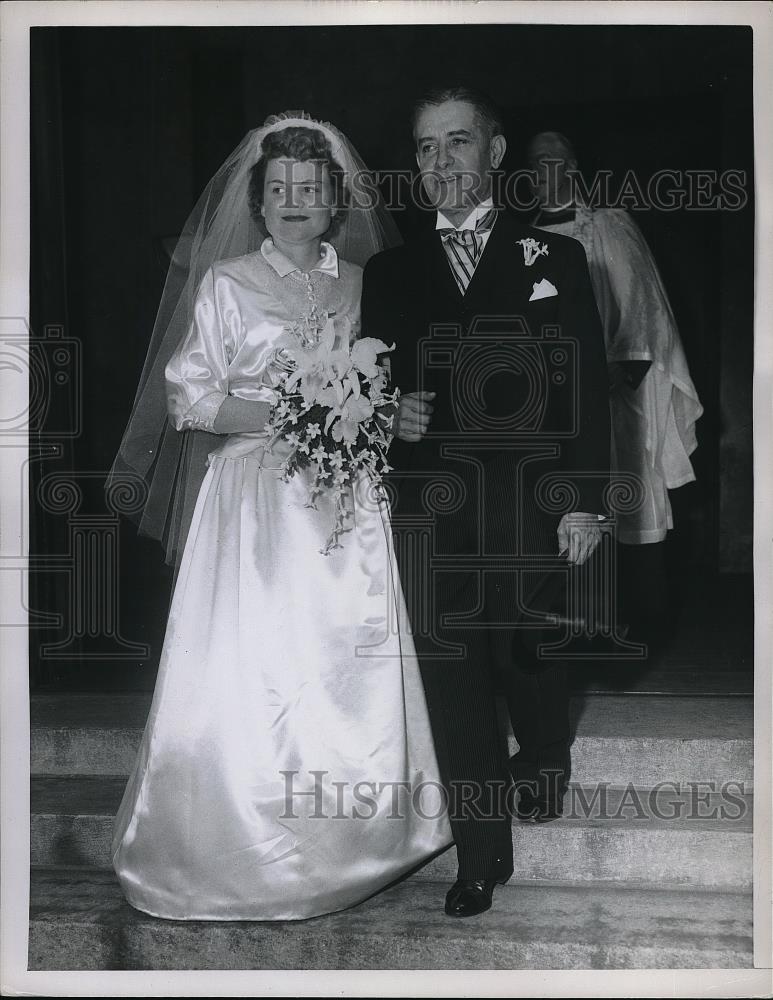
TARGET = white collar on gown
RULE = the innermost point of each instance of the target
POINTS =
(328, 261)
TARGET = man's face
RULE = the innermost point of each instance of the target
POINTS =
(547, 159)
(455, 154)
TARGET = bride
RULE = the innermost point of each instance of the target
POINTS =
(286, 769)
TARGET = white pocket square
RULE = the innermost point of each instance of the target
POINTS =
(543, 290)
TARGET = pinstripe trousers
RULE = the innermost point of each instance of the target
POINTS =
(466, 652)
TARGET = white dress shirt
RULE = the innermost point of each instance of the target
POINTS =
(470, 222)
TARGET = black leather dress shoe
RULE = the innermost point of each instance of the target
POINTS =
(467, 897)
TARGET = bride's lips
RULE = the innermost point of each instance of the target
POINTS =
(295, 218)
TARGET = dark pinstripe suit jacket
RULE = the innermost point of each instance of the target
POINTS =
(520, 431)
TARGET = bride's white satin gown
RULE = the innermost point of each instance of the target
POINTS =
(287, 768)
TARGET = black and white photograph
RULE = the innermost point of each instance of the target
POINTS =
(387, 499)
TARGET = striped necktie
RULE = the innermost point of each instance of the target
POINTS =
(463, 248)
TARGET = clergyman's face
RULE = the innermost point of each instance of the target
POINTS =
(455, 155)
(547, 160)
(297, 200)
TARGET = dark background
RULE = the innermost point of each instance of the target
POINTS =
(128, 124)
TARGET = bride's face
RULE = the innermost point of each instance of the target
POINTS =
(297, 200)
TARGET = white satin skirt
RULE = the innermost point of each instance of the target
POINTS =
(287, 768)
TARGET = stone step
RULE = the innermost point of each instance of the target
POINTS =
(648, 739)
(623, 835)
(630, 679)
(619, 739)
(80, 921)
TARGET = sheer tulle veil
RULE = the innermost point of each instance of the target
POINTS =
(158, 471)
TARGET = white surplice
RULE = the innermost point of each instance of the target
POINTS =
(287, 767)
(653, 426)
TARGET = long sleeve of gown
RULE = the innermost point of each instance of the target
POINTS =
(197, 372)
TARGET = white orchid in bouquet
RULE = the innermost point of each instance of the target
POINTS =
(332, 395)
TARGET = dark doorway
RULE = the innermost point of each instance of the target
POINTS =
(129, 123)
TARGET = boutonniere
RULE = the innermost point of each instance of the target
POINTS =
(532, 250)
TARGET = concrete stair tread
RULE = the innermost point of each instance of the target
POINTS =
(664, 717)
(626, 836)
(619, 739)
(89, 711)
(97, 795)
(692, 681)
(76, 795)
(79, 920)
(655, 717)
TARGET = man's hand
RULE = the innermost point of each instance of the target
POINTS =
(578, 536)
(413, 415)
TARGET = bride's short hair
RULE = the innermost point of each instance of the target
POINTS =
(297, 142)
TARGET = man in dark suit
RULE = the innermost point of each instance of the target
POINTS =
(501, 459)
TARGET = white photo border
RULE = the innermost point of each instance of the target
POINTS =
(15, 22)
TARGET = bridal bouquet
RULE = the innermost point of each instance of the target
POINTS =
(327, 411)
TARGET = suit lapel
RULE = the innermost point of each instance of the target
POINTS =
(441, 284)
(502, 282)
(497, 271)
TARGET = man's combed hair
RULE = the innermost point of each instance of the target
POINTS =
(297, 143)
(485, 108)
